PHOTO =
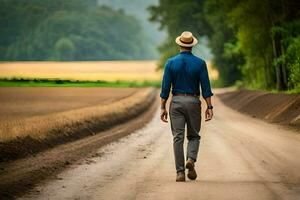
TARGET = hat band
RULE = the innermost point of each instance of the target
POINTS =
(186, 42)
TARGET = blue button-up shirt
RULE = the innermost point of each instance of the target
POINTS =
(185, 73)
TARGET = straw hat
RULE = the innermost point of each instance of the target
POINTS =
(186, 39)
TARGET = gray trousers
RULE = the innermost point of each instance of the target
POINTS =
(185, 110)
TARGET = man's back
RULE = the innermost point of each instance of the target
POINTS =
(184, 73)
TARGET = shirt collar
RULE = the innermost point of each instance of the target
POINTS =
(186, 52)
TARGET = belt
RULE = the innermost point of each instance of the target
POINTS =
(185, 94)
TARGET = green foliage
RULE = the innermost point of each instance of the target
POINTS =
(64, 49)
(228, 58)
(292, 59)
(254, 41)
(169, 49)
(69, 30)
(252, 27)
(176, 16)
(138, 9)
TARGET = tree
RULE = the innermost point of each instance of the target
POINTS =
(69, 30)
(252, 40)
(228, 57)
(64, 49)
(202, 20)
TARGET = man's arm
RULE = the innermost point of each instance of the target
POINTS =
(165, 91)
(209, 110)
(164, 112)
(206, 92)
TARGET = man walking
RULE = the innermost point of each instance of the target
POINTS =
(185, 73)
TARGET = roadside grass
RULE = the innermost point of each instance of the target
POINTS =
(22, 82)
(273, 91)
(241, 85)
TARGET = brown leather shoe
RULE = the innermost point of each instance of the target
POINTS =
(180, 177)
(190, 165)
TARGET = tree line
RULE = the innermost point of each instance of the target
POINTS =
(67, 30)
(256, 41)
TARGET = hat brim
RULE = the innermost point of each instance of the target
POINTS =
(195, 41)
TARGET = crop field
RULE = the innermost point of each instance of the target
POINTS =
(20, 102)
(37, 111)
(111, 71)
(117, 73)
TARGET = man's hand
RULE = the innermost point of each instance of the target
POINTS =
(164, 115)
(208, 114)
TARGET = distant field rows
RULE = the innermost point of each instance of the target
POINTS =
(37, 112)
(20, 102)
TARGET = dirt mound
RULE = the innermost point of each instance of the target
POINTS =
(277, 108)
(36, 134)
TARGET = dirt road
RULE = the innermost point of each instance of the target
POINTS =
(240, 158)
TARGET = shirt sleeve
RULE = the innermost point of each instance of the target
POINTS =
(166, 83)
(204, 81)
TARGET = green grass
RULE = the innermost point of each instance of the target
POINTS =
(240, 84)
(294, 91)
(71, 83)
(216, 83)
